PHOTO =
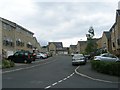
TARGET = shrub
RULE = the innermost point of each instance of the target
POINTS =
(7, 63)
(111, 68)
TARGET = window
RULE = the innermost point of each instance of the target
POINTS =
(18, 43)
(16, 54)
(29, 46)
(105, 55)
(113, 44)
(118, 41)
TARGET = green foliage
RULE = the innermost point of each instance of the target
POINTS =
(7, 63)
(91, 33)
(111, 68)
(91, 46)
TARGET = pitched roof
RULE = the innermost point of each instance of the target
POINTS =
(82, 41)
(15, 25)
(73, 46)
(107, 33)
(112, 27)
(118, 12)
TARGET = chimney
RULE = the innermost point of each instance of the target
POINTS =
(119, 5)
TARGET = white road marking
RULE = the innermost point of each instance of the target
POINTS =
(47, 87)
(92, 77)
(54, 84)
(27, 67)
(68, 76)
(12, 70)
(64, 78)
(60, 80)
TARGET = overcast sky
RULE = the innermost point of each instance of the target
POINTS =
(67, 21)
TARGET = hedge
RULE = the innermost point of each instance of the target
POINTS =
(111, 68)
(7, 63)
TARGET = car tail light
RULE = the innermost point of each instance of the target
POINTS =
(28, 56)
(34, 54)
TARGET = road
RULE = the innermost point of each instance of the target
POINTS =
(55, 72)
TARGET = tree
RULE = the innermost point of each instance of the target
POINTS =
(91, 43)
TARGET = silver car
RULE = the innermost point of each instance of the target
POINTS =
(78, 59)
(41, 56)
(107, 57)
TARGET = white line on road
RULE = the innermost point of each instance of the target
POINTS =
(60, 81)
(92, 77)
(47, 87)
(64, 78)
(54, 84)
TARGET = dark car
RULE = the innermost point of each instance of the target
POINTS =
(22, 57)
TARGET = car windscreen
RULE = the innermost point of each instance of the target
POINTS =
(78, 56)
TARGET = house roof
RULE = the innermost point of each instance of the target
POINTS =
(107, 33)
(112, 27)
(118, 12)
(73, 46)
(82, 41)
(15, 25)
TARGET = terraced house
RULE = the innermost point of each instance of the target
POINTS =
(110, 40)
(81, 46)
(106, 41)
(115, 35)
(15, 37)
(0, 39)
(73, 49)
(55, 48)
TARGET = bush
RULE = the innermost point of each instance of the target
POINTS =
(111, 68)
(7, 63)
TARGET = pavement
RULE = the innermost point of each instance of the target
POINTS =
(86, 70)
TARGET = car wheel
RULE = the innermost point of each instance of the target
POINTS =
(25, 61)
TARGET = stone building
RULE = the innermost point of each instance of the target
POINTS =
(81, 46)
(115, 35)
(106, 41)
(16, 37)
(55, 47)
(73, 49)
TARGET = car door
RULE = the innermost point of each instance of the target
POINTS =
(113, 58)
(16, 57)
(21, 57)
(105, 57)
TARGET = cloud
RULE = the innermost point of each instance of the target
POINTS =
(60, 21)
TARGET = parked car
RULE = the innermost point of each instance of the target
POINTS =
(21, 57)
(107, 57)
(78, 59)
(87, 57)
(72, 54)
(41, 56)
(49, 54)
(34, 56)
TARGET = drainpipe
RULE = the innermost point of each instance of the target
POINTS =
(0, 39)
(0, 53)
